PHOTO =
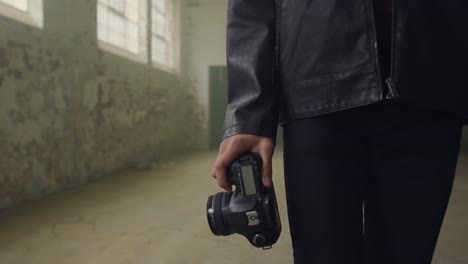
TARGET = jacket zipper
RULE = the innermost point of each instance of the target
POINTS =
(392, 91)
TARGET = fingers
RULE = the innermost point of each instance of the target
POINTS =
(230, 149)
(220, 169)
(266, 152)
(233, 147)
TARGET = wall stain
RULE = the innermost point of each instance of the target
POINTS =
(3, 58)
(23, 49)
(72, 114)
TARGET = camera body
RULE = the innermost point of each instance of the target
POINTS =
(250, 210)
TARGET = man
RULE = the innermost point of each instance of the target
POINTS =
(372, 98)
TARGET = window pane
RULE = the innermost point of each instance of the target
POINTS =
(161, 29)
(159, 50)
(21, 5)
(160, 5)
(116, 22)
(18, 4)
(102, 31)
(131, 31)
(116, 38)
(119, 23)
(118, 5)
(159, 24)
(131, 12)
(132, 45)
(29, 11)
(8, 2)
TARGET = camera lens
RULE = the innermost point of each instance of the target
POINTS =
(214, 212)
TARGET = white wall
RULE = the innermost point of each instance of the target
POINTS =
(204, 33)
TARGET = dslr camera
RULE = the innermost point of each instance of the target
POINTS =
(250, 210)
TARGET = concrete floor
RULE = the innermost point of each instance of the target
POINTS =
(158, 216)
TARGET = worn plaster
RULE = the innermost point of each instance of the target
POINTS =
(71, 113)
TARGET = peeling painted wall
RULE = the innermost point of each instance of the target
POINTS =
(70, 112)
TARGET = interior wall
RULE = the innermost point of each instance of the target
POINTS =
(204, 35)
(70, 112)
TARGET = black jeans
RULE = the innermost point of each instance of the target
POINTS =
(398, 161)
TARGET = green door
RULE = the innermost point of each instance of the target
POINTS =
(218, 103)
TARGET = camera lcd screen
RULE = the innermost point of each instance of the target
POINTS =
(248, 179)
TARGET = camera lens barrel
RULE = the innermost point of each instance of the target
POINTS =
(251, 210)
(214, 211)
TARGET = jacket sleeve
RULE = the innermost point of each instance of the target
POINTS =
(252, 93)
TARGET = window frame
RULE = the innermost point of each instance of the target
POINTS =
(142, 55)
(32, 16)
(146, 23)
(170, 35)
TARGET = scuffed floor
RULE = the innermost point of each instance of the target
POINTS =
(158, 216)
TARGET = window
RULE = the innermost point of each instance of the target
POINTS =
(162, 30)
(27, 11)
(19, 4)
(122, 27)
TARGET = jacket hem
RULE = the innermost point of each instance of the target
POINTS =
(331, 93)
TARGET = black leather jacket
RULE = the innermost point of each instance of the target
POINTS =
(293, 59)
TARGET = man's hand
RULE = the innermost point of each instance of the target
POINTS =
(234, 146)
